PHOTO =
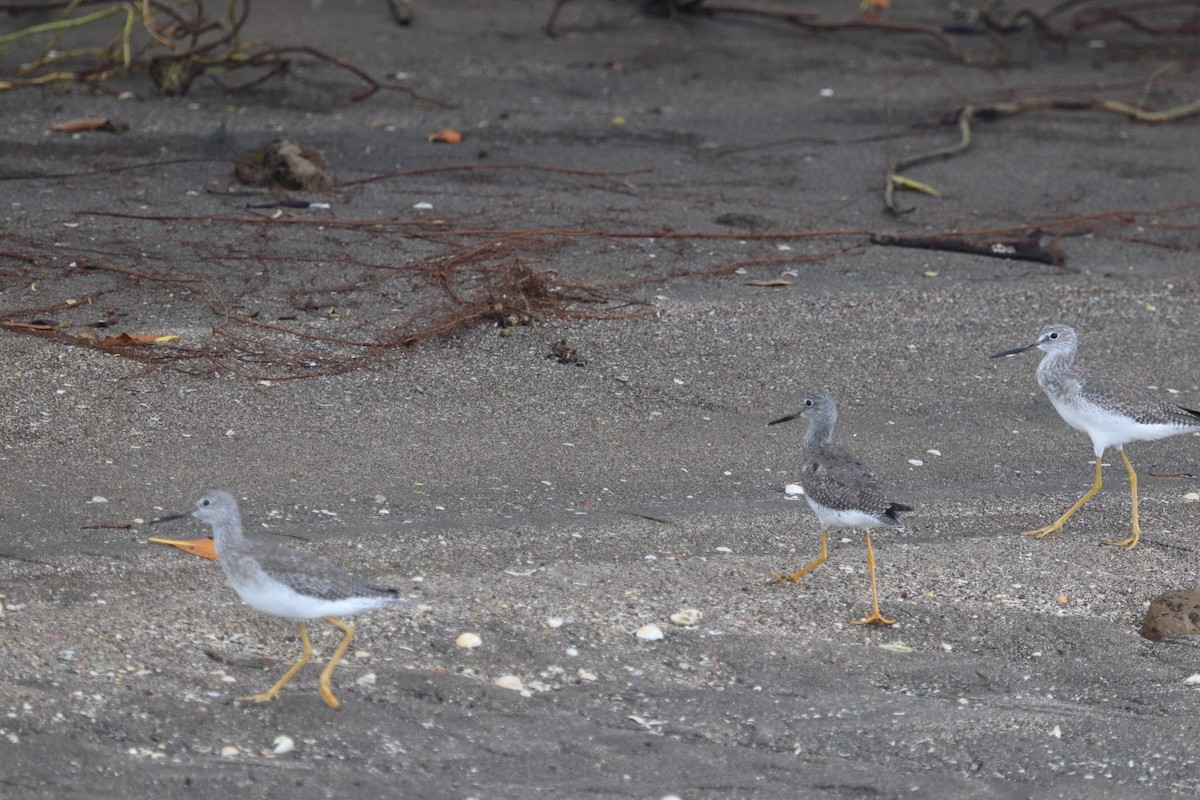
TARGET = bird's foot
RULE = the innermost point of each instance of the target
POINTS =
(327, 695)
(265, 697)
(1127, 544)
(876, 617)
(783, 577)
(1042, 533)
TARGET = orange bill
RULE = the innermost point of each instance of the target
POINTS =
(197, 547)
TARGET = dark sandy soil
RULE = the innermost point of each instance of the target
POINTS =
(554, 509)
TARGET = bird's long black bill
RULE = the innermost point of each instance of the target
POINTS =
(788, 418)
(170, 517)
(1016, 350)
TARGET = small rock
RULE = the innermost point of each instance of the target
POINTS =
(793, 489)
(687, 617)
(554, 622)
(916, 462)
(1173, 613)
(283, 744)
(510, 682)
(367, 679)
(649, 633)
(1192, 680)
(229, 751)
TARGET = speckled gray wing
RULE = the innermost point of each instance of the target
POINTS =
(1136, 403)
(316, 577)
(836, 479)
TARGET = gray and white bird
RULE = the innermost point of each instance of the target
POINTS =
(287, 584)
(1112, 413)
(842, 491)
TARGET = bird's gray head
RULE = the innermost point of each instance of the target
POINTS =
(1052, 339)
(212, 507)
(816, 406)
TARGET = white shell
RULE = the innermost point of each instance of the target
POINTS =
(510, 682)
(283, 744)
(468, 640)
(649, 633)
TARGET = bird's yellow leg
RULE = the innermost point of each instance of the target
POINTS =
(1132, 541)
(1088, 495)
(273, 692)
(875, 615)
(816, 562)
(323, 683)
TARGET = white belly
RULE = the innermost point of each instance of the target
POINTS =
(1110, 430)
(277, 599)
(832, 518)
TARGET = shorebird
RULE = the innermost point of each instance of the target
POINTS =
(842, 491)
(286, 584)
(1110, 412)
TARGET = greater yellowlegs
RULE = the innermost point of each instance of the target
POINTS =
(841, 490)
(1110, 412)
(287, 584)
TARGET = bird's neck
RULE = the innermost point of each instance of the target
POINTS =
(227, 535)
(1055, 367)
(820, 431)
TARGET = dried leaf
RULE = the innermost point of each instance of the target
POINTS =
(89, 124)
(446, 136)
(132, 339)
(772, 282)
(197, 547)
(916, 186)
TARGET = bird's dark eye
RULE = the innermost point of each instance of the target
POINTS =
(204, 502)
(808, 403)
(1054, 336)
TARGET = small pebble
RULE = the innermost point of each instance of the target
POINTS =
(554, 622)
(229, 750)
(916, 462)
(468, 641)
(1192, 680)
(588, 675)
(793, 489)
(1192, 497)
(687, 617)
(649, 633)
(510, 682)
(367, 679)
(283, 744)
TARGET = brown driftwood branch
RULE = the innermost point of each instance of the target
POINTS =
(993, 111)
